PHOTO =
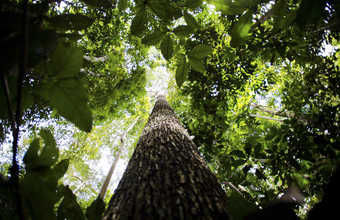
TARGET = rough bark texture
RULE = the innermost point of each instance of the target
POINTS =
(166, 178)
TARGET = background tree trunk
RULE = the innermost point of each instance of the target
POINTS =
(166, 178)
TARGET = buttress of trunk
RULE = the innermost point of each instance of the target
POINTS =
(166, 178)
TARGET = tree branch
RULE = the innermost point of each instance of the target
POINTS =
(114, 163)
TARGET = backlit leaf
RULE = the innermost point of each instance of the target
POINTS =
(181, 72)
(167, 48)
(61, 168)
(154, 38)
(241, 29)
(192, 4)
(196, 64)
(66, 61)
(98, 3)
(200, 51)
(191, 21)
(95, 210)
(70, 99)
(164, 10)
(140, 21)
(183, 31)
(74, 22)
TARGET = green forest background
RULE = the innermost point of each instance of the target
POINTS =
(255, 82)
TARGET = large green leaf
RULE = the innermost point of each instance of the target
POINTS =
(66, 61)
(122, 4)
(183, 31)
(200, 51)
(241, 29)
(70, 99)
(191, 21)
(167, 48)
(310, 11)
(98, 3)
(192, 4)
(164, 10)
(181, 72)
(227, 8)
(74, 22)
(140, 21)
(154, 38)
(61, 168)
(196, 64)
(95, 210)
(69, 207)
(32, 153)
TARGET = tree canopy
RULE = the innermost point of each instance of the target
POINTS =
(256, 82)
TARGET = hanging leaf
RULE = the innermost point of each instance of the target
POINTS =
(227, 8)
(61, 168)
(122, 5)
(196, 64)
(167, 48)
(95, 210)
(191, 21)
(98, 3)
(193, 4)
(140, 21)
(66, 61)
(241, 29)
(183, 31)
(48, 138)
(181, 71)
(310, 11)
(237, 163)
(32, 152)
(70, 99)
(154, 38)
(200, 51)
(69, 207)
(75, 22)
(164, 10)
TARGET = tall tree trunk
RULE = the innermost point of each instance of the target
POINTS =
(166, 178)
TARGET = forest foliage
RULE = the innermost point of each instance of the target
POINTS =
(251, 80)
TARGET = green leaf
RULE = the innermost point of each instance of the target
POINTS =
(227, 8)
(279, 13)
(32, 152)
(200, 51)
(191, 21)
(240, 31)
(61, 168)
(66, 61)
(196, 64)
(239, 162)
(49, 156)
(259, 174)
(98, 3)
(193, 4)
(289, 19)
(69, 208)
(75, 22)
(154, 38)
(310, 11)
(70, 99)
(238, 153)
(183, 31)
(181, 72)
(48, 138)
(167, 48)
(164, 10)
(239, 207)
(140, 21)
(122, 5)
(95, 210)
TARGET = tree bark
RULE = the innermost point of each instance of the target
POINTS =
(166, 177)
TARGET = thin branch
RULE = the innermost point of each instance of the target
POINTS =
(233, 187)
(8, 100)
(268, 118)
(114, 163)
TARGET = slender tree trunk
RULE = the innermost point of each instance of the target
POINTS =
(115, 161)
(166, 178)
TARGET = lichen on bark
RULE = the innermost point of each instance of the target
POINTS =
(166, 177)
